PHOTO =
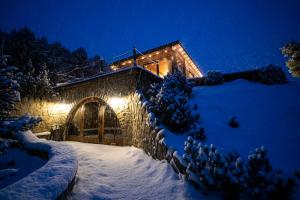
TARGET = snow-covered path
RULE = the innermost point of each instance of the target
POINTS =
(110, 172)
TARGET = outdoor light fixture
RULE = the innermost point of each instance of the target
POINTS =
(59, 108)
(116, 102)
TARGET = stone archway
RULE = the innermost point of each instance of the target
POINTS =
(92, 120)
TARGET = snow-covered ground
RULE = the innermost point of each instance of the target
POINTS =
(50, 180)
(18, 163)
(112, 172)
(268, 115)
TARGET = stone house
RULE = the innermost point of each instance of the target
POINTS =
(104, 108)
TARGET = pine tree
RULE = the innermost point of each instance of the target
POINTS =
(9, 93)
(169, 102)
(292, 52)
(36, 86)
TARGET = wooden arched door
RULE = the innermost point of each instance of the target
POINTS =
(86, 123)
(93, 121)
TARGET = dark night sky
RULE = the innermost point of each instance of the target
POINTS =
(222, 35)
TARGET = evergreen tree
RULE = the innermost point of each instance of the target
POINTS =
(9, 93)
(169, 102)
(292, 52)
(36, 86)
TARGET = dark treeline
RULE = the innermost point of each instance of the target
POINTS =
(32, 54)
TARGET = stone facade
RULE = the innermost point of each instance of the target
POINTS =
(119, 86)
(135, 120)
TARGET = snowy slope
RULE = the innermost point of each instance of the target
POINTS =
(112, 172)
(269, 115)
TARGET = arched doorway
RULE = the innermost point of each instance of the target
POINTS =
(93, 121)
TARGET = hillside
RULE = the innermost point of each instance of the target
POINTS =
(268, 115)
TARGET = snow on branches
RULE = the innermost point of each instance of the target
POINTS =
(213, 170)
(169, 102)
(9, 94)
(214, 78)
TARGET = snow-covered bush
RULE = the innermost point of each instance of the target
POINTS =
(9, 96)
(213, 78)
(169, 101)
(213, 170)
(233, 122)
(272, 74)
(264, 182)
(197, 132)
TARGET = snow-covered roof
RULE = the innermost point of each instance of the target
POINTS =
(104, 75)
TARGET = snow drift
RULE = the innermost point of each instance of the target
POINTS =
(49, 181)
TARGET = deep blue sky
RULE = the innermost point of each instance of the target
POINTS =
(222, 35)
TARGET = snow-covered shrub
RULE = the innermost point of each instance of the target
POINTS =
(233, 122)
(213, 170)
(264, 182)
(169, 101)
(213, 78)
(272, 74)
(197, 132)
(9, 96)
(210, 169)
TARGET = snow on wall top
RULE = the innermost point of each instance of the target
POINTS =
(49, 181)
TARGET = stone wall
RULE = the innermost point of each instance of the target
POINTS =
(115, 89)
(52, 112)
(149, 136)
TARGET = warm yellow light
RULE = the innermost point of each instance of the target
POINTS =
(124, 63)
(166, 51)
(116, 102)
(59, 108)
(143, 58)
(157, 53)
(150, 55)
(174, 48)
(129, 61)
